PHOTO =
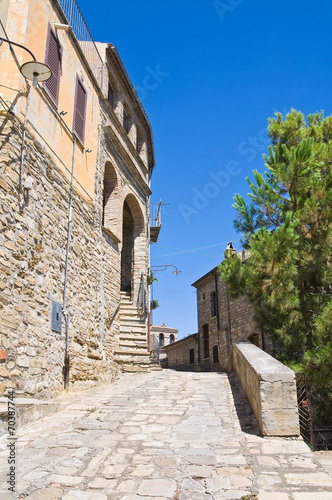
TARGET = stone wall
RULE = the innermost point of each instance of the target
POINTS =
(178, 354)
(32, 256)
(227, 320)
(270, 388)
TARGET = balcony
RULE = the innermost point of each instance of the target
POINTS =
(156, 220)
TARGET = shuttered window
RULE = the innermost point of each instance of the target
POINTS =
(53, 56)
(79, 110)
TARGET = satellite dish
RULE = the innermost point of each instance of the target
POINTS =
(36, 71)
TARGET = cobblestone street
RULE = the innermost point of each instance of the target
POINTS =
(176, 435)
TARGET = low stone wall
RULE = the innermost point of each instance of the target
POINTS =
(270, 388)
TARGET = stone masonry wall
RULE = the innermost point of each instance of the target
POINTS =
(270, 388)
(178, 353)
(32, 256)
(236, 321)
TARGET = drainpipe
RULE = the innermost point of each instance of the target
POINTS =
(66, 314)
(23, 139)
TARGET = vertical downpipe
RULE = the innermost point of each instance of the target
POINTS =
(23, 140)
(66, 314)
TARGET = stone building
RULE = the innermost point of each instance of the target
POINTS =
(161, 336)
(76, 159)
(183, 354)
(221, 320)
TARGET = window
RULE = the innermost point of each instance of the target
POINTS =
(215, 354)
(125, 120)
(79, 110)
(203, 296)
(53, 56)
(191, 356)
(161, 340)
(110, 95)
(213, 304)
(206, 341)
(171, 338)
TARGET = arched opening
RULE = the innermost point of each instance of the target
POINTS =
(171, 338)
(133, 252)
(215, 354)
(111, 200)
(161, 340)
(127, 253)
(206, 349)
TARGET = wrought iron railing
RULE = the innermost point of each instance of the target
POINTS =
(305, 410)
(156, 213)
(81, 31)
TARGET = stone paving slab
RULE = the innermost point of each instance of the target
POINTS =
(156, 436)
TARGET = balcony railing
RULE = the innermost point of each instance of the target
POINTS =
(81, 31)
(156, 220)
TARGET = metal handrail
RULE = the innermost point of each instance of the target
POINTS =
(84, 38)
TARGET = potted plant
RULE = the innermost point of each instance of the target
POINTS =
(151, 278)
(154, 304)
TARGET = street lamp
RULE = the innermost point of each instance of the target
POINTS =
(32, 70)
(163, 268)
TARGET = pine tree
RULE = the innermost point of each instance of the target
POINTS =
(287, 228)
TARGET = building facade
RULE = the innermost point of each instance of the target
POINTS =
(162, 336)
(221, 320)
(76, 159)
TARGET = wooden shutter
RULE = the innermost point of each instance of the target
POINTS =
(53, 58)
(79, 110)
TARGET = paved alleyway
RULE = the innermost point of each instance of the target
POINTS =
(177, 435)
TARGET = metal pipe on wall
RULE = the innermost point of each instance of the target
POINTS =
(66, 314)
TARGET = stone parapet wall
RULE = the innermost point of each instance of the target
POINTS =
(32, 258)
(270, 388)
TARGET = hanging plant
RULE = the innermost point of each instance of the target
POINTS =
(152, 278)
(154, 304)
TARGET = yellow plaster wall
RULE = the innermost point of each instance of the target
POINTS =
(27, 23)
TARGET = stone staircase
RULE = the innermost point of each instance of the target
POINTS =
(133, 355)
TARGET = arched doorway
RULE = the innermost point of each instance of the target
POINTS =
(133, 251)
(127, 252)
(111, 200)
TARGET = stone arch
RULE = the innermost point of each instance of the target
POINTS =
(133, 252)
(111, 200)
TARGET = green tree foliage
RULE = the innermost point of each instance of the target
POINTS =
(287, 228)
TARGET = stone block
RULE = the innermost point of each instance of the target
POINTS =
(270, 388)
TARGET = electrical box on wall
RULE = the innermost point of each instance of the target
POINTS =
(56, 316)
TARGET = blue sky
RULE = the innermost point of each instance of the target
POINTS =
(209, 75)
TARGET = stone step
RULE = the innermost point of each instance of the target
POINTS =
(133, 327)
(131, 319)
(136, 368)
(136, 337)
(133, 339)
(133, 347)
(132, 352)
(155, 367)
(129, 312)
